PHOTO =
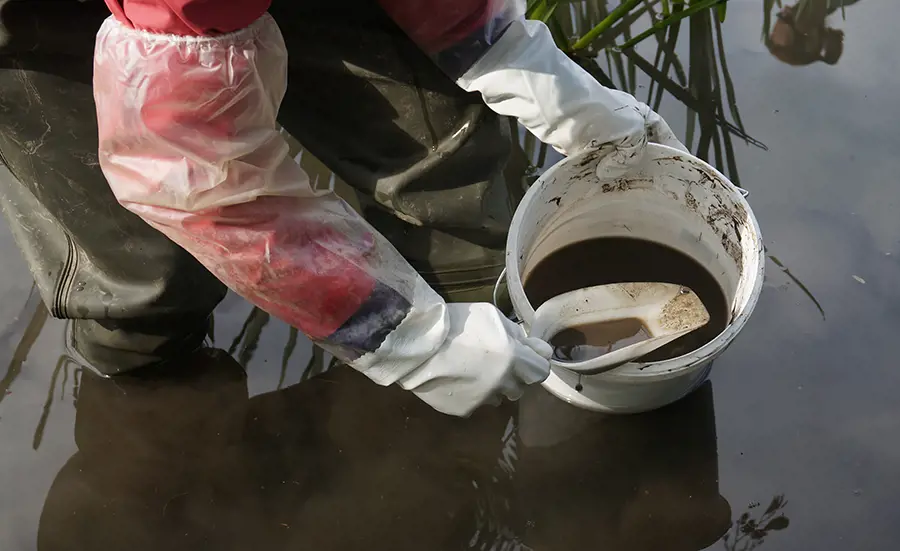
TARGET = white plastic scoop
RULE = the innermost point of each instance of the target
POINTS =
(654, 313)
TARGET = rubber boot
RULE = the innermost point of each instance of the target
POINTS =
(137, 298)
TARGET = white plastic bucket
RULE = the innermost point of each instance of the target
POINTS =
(670, 198)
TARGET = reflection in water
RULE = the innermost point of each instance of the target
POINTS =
(748, 533)
(247, 341)
(799, 283)
(63, 365)
(801, 36)
(183, 458)
(36, 314)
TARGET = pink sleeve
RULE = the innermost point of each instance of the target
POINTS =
(455, 33)
(439, 24)
(188, 17)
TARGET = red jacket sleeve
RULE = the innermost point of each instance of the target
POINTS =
(188, 17)
(454, 33)
(436, 25)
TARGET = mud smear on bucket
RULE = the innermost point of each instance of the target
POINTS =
(620, 260)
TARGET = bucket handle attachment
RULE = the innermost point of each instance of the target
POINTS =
(744, 193)
(500, 279)
(496, 294)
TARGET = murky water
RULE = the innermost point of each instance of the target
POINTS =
(789, 446)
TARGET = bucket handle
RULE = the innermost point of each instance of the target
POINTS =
(500, 279)
(496, 294)
(744, 193)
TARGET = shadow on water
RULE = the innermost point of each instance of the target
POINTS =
(186, 459)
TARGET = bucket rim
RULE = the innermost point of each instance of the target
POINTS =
(642, 372)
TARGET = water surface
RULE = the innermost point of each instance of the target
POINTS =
(788, 447)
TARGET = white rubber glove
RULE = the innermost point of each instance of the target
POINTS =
(524, 75)
(483, 358)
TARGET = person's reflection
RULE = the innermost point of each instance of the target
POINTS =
(800, 35)
(185, 460)
(153, 453)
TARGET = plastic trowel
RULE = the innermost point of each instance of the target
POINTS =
(665, 311)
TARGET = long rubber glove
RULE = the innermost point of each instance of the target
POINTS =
(524, 75)
(189, 142)
(488, 47)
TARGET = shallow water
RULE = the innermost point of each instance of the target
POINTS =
(798, 418)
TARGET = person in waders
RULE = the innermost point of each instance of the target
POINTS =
(403, 99)
(800, 35)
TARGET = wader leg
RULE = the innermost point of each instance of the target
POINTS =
(426, 161)
(136, 297)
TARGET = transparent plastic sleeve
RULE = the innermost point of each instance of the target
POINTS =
(189, 142)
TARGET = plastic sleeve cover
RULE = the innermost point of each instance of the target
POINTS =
(455, 33)
(189, 142)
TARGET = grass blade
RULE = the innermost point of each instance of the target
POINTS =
(541, 10)
(286, 355)
(316, 365)
(768, 5)
(726, 74)
(680, 94)
(23, 349)
(620, 71)
(609, 38)
(671, 60)
(48, 403)
(694, 8)
(632, 70)
(542, 156)
(240, 336)
(528, 147)
(799, 283)
(610, 20)
(690, 127)
(260, 319)
(559, 35)
(730, 159)
(593, 68)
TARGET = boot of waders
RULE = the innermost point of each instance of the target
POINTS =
(136, 298)
(426, 162)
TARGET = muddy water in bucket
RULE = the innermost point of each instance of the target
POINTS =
(621, 260)
(583, 342)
